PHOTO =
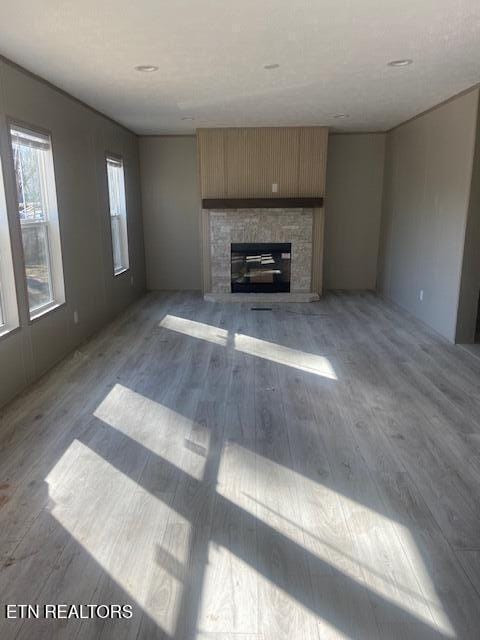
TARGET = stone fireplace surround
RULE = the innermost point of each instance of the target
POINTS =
(302, 227)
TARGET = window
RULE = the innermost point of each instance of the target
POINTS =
(38, 214)
(8, 294)
(118, 214)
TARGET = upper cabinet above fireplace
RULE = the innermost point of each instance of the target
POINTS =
(263, 162)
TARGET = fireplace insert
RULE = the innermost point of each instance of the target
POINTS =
(261, 267)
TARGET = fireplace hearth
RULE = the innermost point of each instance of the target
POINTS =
(260, 267)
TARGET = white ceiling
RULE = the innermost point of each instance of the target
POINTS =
(211, 53)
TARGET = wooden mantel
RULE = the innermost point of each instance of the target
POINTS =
(261, 203)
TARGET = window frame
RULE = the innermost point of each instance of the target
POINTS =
(125, 240)
(56, 264)
(9, 298)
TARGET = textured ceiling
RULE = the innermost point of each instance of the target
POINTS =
(211, 53)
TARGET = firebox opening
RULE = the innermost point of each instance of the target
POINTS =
(261, 267)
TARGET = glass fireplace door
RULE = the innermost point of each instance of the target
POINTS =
(261, 267)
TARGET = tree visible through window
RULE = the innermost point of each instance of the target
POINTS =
(118, 214)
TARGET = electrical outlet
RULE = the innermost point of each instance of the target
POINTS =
(75, 316)
(274, 187)
(420, 295)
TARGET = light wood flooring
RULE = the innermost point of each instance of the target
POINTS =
(309, 472)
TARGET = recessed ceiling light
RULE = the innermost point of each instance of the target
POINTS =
(273, 65)
(188, 118)
(339, 116)
(400, 63)
(146, 68)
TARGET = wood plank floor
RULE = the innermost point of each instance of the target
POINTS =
(308, 472)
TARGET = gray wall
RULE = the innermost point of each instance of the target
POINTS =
(171, 210)
(426, 197)
(470, 283)
(353, 210)
(80, 138)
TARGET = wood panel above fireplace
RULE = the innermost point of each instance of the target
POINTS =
(246, 162)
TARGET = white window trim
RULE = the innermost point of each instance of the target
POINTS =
(54, 243)
(9, 317)
(122, 216)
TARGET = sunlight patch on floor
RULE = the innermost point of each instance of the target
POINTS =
(159, 429)
(229, 595)
(309, 362)
(121, 526)
(237, 598)
(355, 545)
(355, 540)
(196, 329)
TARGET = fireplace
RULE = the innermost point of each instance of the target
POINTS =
(260, 267)
(298, 231)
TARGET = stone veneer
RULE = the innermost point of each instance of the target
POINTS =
(261, 225)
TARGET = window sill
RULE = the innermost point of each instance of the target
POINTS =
(120, 272)
(43, 311)
(6, 331)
